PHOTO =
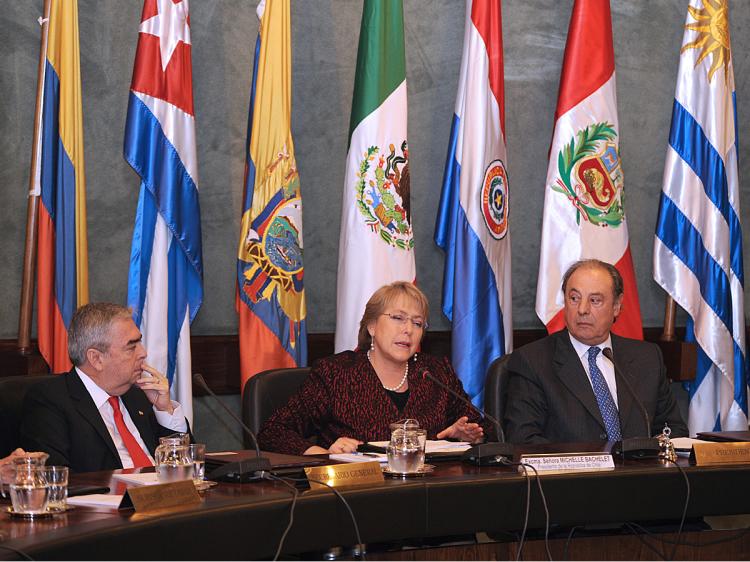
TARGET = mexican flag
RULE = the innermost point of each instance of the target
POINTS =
(376, 246)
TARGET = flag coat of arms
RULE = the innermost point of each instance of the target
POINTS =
(584, 213)
(165, 282)
(472, 221)
(698, 242)
(376, 246)
(271, 296)
(62, 260)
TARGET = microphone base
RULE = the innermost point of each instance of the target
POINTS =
(637, 448)
(241, 471)
(488, 454)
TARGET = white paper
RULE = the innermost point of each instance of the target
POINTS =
(139, 479)
(685, 443)
(359, 457)
(434, 445)
(96, 500)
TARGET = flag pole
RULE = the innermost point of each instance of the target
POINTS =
(670, 309)
(32, 214)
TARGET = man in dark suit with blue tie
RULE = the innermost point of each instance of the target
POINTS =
(109, 411)
(563, 388)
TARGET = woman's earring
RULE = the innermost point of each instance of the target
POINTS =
(415, 357)
(372, 345)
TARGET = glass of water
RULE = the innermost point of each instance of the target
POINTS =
(57, 482)
(197, 453)
(407, 447)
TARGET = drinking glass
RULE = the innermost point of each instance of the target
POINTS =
(197, 452)
(57, 482)
(407, 447)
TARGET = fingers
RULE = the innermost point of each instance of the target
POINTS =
(344, 445)
(444, 433)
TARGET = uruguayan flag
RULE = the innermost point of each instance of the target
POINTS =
(472, 222)
(698, 243)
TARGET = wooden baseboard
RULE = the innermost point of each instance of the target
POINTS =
(217, 357)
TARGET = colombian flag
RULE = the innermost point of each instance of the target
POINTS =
(270, 291)
(62, 271)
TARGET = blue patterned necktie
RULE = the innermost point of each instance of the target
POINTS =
(604, 398)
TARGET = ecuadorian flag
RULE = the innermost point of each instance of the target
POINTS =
(62, 271)
(270, 290)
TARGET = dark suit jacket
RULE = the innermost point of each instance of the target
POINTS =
(61, 419)
(550, 398)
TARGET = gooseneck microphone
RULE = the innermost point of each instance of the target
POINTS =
(245, 467)
(485, 453)
(637, 447)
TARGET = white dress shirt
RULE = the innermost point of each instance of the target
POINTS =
(604, 364)
(175, 421)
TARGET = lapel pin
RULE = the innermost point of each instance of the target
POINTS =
(140, 413)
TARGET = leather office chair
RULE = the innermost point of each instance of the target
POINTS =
(12, 393)
(266, 392)
(496, 388)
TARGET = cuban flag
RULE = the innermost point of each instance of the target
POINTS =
(165, 282)
(62, 270)
(698, 242)
(472, 221)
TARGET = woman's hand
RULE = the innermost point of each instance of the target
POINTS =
(344, 445)
(463, 431)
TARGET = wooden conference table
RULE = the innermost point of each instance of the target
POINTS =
(245, 521)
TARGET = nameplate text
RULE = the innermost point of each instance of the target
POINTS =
(160, 496)
(568, 462)
(348, 474)
(720, 453)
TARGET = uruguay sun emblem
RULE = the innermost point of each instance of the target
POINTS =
(494, 199)
(591, 176)
(383, 195)
(712, 29)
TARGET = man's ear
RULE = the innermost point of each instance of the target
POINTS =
(618, 306)
(95, 358)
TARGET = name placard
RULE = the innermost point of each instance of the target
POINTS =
(720, 453)
(160, 496)
(349, 474)
(569, 462)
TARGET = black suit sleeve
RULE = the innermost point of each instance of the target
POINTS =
(526, 409)
(45, 426)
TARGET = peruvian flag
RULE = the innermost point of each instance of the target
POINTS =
(584, 214)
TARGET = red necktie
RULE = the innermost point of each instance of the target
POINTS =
(137, 455)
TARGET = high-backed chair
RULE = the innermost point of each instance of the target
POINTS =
(496, 388)
(12, 393)
(266, 392)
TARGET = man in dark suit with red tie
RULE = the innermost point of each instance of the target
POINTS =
(109, 411)
(566, 387)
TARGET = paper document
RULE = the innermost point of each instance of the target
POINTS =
(97, 500)
(433, 445)
(685, 443)
(359, 457)
(139, 479)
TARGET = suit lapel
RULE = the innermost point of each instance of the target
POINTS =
(625, 402)
(571, 373)
(139, 413)
(86, 407)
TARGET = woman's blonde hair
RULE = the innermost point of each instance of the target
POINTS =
(381, 299)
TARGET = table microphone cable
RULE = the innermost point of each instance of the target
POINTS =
(18, 551)
(676, 543)
(295, 495)
(338, 494)
(525, 467)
